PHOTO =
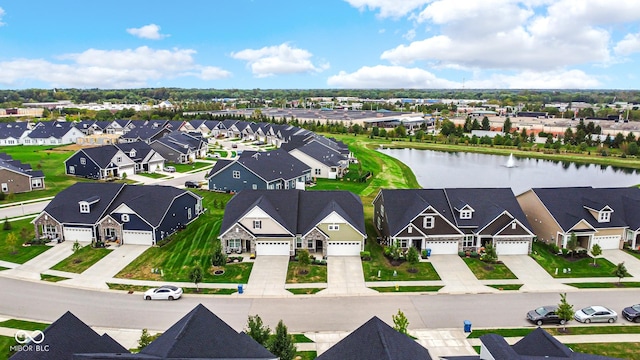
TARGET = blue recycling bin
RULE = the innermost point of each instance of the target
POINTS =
(428, 252)
(467, 326)
(240, 289)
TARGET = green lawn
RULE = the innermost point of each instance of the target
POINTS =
(306, 355)
(154, 175)
(315, 274)
(617, 350)
(81, 260)
(5, 344)
(379, 262)
(579, 268)
(3, 268)
(52, 278)
(606, 285)
(182, 168)
(387, 289)
(506, 286)
(191, 246)
(301, 338)
(635, 253)
(304, 291)
(486, 271)
(186, 290)
(23, 325)
(222, 153)
(572, 330)
(17, 253)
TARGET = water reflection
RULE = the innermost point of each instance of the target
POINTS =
(435, 169)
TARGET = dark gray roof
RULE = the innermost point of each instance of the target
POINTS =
(487, 203)
(316, 205)
(144, 132)
(219, 165)
(122, 122)
(201, 334)
(567, 205)
(64, 207)
(84, 124)
(376, 340)
(273, 165)
(142, 149)
(15, 165)
(322, 153)
(67, 336)
(181, 141)
(101, 155)
(102, 124)
(402, 205)
(47, 129)
(13, 129)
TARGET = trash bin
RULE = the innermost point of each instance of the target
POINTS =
(428, 252)
(467, 326)
(240, 289)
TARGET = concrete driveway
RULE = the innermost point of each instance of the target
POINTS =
(532, 275)
(630, 262)
(457, 277)
(268, 276)
(34, 267)
(345, 277)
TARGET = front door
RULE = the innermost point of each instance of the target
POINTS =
(417, 244)
(319, 245)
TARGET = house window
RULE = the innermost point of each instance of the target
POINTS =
(132, 153)
(298, 243)
(110, 233)
(410, 229)
(378, 222)
(233, 243)
(83, 161)
(72, 169)
(197, 208)
(310, 244)
(604, 216)
(514, 225)
(317, 171)
(119, 159)
(36, 183)
(465, 214)
(334, 227)
(124, 217)
(382, 210)
(84, 208)
(428, 221)
(254, 186)
(236, 174)
(257, 224)
(189, 213)
(469, 241)
(49, 229)
(402, 243)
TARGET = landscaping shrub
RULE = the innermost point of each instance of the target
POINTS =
(474, 254)
(365, 255)
(164, 241)
(462, 254)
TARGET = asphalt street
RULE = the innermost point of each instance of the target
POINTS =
(109, 309)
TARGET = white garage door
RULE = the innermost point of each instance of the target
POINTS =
(79, 234)
(444, 247)
(512, 247)
(344, 248)
(607, 242)
(272, 248)
(136, 237)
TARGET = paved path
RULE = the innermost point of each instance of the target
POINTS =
(20, 209)
(630, 262)
(34, 267)
(532, 275)
(99, 274)
(268, 276)
(8, 265)
(345, 277)
(457, 277)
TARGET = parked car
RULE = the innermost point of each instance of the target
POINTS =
(545, 314)
(169, 169)
(595, 313)
(632, 313)
(234, 146)
(165, 292)
(191, 184)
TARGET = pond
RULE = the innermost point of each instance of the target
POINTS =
(436, 169)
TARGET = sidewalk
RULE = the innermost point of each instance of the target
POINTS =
(457, 277)
(33, 268)
(577, 339)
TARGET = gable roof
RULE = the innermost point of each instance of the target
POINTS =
(13, 129)
(48, 129)
(187, 337)
(273, 165)
(142, 149)
(317, 205)
(101, 155)
(181, 141)
(65, 209)
(321, 153)
(7, 162)
(144, 132)
(403, 205)
(376, 340)
(68, 336)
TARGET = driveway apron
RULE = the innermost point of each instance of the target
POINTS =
(268, 275)
(34, 267)
(345, 277)
(532, 275)
(457, 277)
(630, 262)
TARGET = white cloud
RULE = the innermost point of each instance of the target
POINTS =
(151, 31)
(278, 59)
(1, 15)
(389, 77)
(127, 68)
(389, 8)
(410, 35)
(561, 79)
(629, 45)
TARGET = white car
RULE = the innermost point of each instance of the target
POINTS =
(595, 313)
(165, 292)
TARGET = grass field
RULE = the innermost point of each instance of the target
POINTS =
(579, 268)
(186, 290)
(606, 285)
(571, 330)
(81, 260)
(182, 168)
(485, 271)
(23, 325)
(52, 278)
(315, 274)
(304, 291)
(379, 263)
(506, 287)
(17, 253)
(629, 351)
(388, 289)
(154, 175)
(5, 344)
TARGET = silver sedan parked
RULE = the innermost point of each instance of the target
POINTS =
(595, 313)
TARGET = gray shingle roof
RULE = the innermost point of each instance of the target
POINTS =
(402, 205)
(322, 153)
(47, 129)
(65, 209)
(102, 155)
(273, 165)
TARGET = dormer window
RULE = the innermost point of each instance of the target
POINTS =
(604, 216)
(132, 153)
(124, 217)
(84, 207)
(466, 214)
(428, 222)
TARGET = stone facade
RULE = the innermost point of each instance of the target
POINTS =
(315, 235)
(109, 223)
(238, 232)
(40, 225)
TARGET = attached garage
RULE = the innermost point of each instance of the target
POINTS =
(136, 237)
(443, 247)
(344, 248)
(272, 248)
(79, 234)
(607, 242)
(512, 247)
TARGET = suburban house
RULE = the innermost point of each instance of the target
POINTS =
(13, 133)
(376, 340)
(146, 133)
(16, 177)
(448, 221)
(181, 147)
(604, 216)
(324, 161)
(259, 170)
(537, 345)
(279, 222)
(129, 214)
(114, 161)
(119, 127)
(53, 133)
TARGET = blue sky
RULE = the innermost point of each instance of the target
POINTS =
(530, 44)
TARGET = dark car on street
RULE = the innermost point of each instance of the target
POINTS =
(191, 184)
(632, 313)
(545, 314)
